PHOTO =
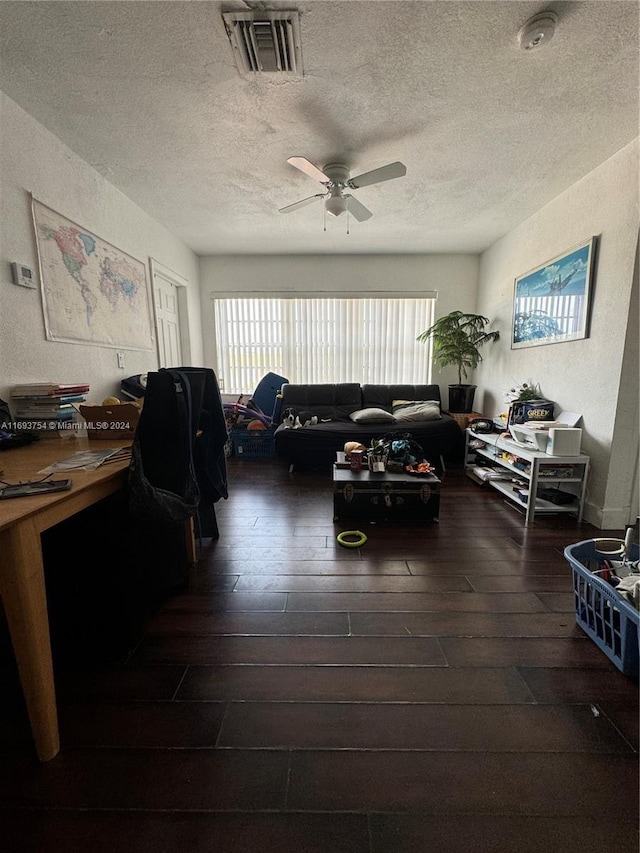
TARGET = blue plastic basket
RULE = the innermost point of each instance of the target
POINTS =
(253, 443)
(601, 612)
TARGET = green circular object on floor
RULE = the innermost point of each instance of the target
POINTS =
(355, 543)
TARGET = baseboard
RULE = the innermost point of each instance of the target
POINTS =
(606, 519)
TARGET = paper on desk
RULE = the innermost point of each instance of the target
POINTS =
(84, 460)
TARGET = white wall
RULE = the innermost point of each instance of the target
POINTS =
(454, 277)
(32, 160)
(580, 376)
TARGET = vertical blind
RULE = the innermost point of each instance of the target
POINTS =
(322, 340)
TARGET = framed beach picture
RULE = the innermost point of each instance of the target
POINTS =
(551, 302)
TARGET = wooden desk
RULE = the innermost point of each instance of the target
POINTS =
(22, 586)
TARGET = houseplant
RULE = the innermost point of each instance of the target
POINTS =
(457, 339)
(523, 393)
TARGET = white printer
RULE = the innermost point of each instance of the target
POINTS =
(557, 438)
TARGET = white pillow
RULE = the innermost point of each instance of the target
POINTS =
(416, 410)
(372, 416)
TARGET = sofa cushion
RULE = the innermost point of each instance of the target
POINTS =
(382, 396)
(327, 402)
(416, 410)
(372, 416)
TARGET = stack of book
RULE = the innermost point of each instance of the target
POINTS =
(486, 473)
(46, 405)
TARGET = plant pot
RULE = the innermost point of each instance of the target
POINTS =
(461, 398)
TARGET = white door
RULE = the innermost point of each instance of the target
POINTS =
(168, 296)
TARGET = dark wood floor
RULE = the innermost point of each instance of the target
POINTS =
(427, 693)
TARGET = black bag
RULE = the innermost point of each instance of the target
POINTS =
(154, 502)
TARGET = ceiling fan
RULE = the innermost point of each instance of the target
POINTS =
(335, 178)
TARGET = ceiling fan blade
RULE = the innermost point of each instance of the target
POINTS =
(308, 168)
(357, 209)
(303, 203)
(384, 173)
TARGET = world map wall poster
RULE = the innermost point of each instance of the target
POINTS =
(92, 293)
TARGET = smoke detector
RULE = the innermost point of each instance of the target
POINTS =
(538, 31)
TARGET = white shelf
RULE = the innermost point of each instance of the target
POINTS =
(527, 476)
(494, 440)
(537, 460)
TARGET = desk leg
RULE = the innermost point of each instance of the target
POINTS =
(23, 593)
(190, 541)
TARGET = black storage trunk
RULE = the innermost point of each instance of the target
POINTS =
(384, 496)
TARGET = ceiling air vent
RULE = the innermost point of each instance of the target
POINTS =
(265, 42)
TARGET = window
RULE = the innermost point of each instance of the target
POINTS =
(322, 340)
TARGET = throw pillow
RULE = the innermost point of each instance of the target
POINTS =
(372, 416)
(416, 410)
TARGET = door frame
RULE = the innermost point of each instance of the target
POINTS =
(181, 284)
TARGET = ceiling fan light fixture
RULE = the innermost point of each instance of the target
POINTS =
(335, 204)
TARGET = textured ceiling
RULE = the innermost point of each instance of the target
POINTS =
(148, 93)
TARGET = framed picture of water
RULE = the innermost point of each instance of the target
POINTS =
(551, 303)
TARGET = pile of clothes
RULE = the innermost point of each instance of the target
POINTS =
(624, 576)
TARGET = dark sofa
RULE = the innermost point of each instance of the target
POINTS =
(316, 445)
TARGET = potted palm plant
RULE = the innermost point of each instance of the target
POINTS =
(457, 339)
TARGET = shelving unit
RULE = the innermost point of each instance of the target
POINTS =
(492, 452)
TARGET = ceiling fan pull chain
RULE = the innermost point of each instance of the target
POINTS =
(324, 218)
(348, 232)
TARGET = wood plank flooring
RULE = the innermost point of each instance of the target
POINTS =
(426, 693)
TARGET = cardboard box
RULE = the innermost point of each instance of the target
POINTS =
(107, 422)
